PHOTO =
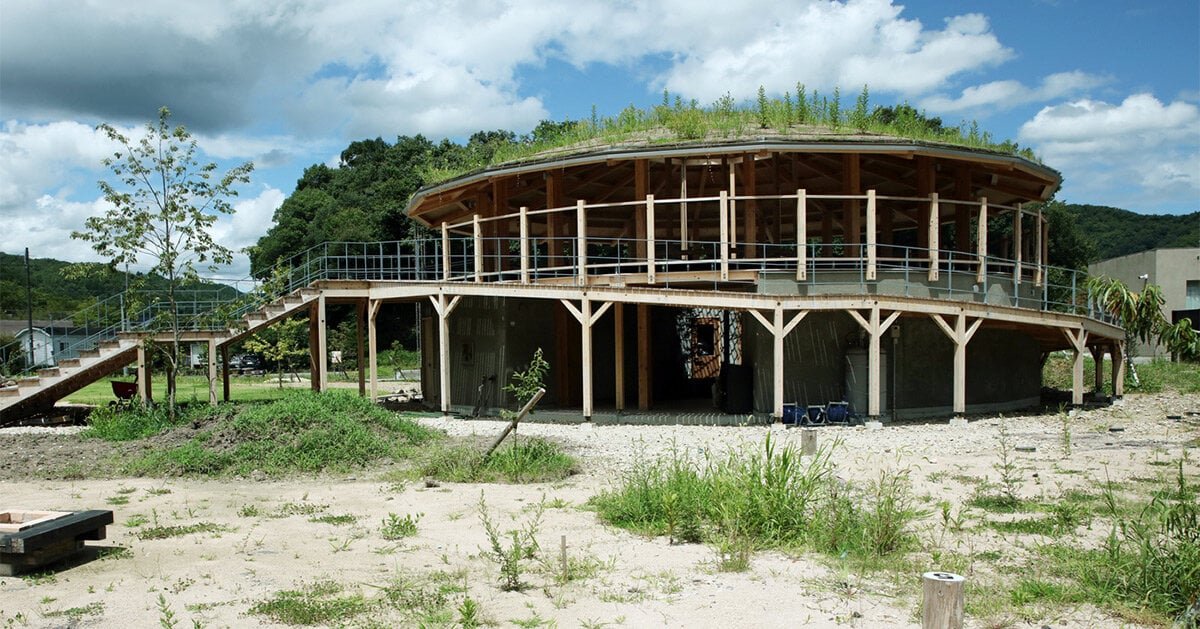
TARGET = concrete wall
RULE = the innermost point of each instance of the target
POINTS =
(1003, 366)
(1169, 268)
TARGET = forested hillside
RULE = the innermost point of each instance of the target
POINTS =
(57, 293)
(1116, 232)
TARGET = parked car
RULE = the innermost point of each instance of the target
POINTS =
(246, 363)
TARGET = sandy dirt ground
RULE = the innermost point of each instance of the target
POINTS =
(264, 536)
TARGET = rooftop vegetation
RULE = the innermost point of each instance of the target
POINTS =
(800, 115)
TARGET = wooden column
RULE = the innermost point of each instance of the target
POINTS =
(875, 328)
(554, 199)
(750, 189)
(641, 185)
(619, 351)
(962, 213)
(586, 319)
(1098, 361)
(871, 253)
(212, 372)
(478, 233)
(779, 331)
(445, 252)
(960, 335)
(724, 207)
(1040, 243)
(733, 220)
(645, 366)
(981, 250)
(925, 187)
(360, 317)
(145, 391)
(1078, 340)
(683, 206)
(225, 372)
(580, 243)
(373, 346)
(1017, 245)
(934, 224)
(322, 349)
(801, 235)
(314, 347)
(852, 208)
(524, 217)
(650, 229)
(1118, 368)
(444, 307)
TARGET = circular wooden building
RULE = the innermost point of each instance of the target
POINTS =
(901, 277)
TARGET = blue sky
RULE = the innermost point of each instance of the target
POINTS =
(1106, 92)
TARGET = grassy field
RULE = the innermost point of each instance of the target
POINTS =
(1155, 376)
(189, 388)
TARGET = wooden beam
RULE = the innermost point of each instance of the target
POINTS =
(478, 234)
(224, 372)
(445, 252)
(212, 372)
(1017, 248)
(724, 210)
(650, 240)
(982, 235)
(322, 345)
(524, 219)
(581, 243)
(925, 187)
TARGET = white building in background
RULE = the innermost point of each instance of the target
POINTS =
(1177, 271)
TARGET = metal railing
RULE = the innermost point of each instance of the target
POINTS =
(463, 253)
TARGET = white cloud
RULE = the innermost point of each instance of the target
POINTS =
(1002, 95)
(1141, 144)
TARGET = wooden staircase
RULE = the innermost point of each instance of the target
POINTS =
(34, 393)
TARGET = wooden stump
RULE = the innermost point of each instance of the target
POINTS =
(808, 442)
(942, 600)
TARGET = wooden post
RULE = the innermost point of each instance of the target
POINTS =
(1039, 243)
(619, 351)
(641, 184)
(586, 318)
(1118, 368)
(650, 239)
(360, 316)
(750, 189)
(645, 368)
(851, 209)
(373, 346)
(871, 259)
(875, 328)
(445, 252)
(1044, 248)
(145, 391)
(934, 224)
(512, 425)
(314, 361)
(478, 247)
(1017, 245)
(724, 205)
(212, 372)
(683, 206)
(960, 335)
(524, 245)
(1078, 340)
(942, 600)
(443, 309)
(1098, 359)
(580, 243)
(801, 235)
(322, 346)
(779, 331)
(925, 186)
(225, 372)
(553, 200)
(981, 251)
(808, 441)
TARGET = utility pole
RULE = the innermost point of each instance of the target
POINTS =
(29, 302)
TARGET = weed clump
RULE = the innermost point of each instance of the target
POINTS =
(763, 497)
(533, 460)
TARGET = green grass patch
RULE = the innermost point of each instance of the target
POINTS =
(316, 604)
(137, 421)
(1155, 376)
(763, 497)
(336, 520)
(301, 432)
(188, 389)
(166, 532)
(531, 460)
